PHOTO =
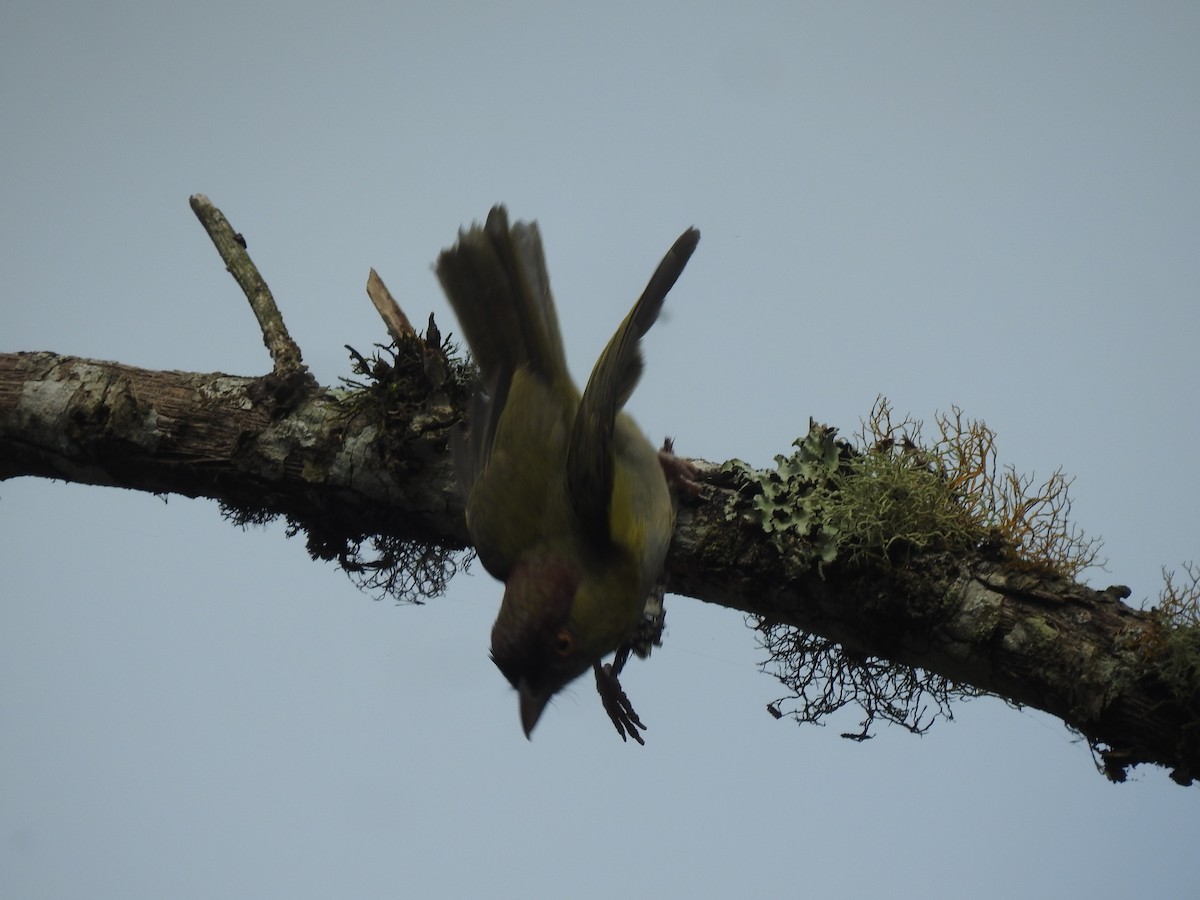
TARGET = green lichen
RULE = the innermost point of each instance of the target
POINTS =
(884, 506)
(1014, 514)
(788, 501)
(876, 506)
(897, 515)
(1033, 636)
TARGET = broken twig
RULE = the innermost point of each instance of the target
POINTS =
(285, 354)
(389, 310)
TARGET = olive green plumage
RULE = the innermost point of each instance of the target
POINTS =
(566, 500)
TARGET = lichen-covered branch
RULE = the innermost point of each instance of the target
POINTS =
(343, 471)
(902, 619)
(894, 574)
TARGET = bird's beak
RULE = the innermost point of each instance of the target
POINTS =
(532, 704)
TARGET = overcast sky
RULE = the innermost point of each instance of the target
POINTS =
(994, 205)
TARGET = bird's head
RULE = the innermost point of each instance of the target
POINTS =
(554, 623)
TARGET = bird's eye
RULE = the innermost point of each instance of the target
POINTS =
(564, 642)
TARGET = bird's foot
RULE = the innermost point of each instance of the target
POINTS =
(682, 476)
(616, 703)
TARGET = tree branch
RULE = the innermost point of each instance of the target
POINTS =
(1032, 638)
(370, 464)
(255, 444)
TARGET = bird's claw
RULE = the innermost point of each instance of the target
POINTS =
(616, 703)
(682, 476)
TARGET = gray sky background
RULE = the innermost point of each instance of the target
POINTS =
(995, 205)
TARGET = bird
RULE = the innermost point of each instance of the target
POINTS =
(567, 501)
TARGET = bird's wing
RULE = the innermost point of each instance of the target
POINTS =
(590, 452)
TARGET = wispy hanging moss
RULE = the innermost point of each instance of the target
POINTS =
(876, 507)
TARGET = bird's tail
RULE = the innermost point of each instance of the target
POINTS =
(495, 278)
